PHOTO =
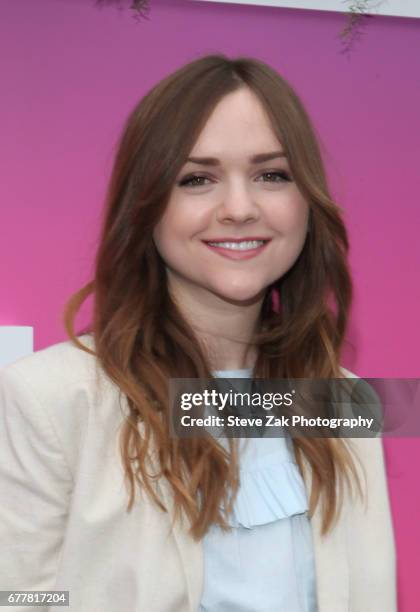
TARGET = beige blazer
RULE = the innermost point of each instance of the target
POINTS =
(63, 519)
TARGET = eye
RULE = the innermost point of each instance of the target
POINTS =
(193, 180)
(277, 176)
(272, 176)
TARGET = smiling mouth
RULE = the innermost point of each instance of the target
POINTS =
(244, 245)
(245, 249)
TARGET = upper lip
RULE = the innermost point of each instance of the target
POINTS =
(243, 239)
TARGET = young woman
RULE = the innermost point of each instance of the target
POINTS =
(222, 254)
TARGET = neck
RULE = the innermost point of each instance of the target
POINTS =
(224, 327)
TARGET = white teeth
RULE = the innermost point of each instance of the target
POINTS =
(239, 246)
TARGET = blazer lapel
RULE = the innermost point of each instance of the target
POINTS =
(331, 560)
(330, 553)
(190, 551)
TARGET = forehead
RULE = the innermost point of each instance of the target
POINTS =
(238, 123)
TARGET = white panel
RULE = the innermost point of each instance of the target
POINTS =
(15, 342)
(398, 8)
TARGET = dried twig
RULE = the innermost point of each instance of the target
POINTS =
(140, 8)
(358, 12)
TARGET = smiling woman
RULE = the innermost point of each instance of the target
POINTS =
(237, 214)
(217, 208)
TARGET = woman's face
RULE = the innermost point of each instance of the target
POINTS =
(231, 198)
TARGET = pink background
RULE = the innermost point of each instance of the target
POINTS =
(71, 72)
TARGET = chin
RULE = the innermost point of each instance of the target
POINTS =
(242, 296)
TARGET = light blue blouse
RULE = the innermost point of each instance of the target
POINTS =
(266, 563)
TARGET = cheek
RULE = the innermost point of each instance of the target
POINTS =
(162, 237)
(291, 217)
(169, 225)
(173, 233)
(182, 222)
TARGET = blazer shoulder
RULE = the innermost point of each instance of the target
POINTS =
(61, 389)
(348, 373)
(53, 370)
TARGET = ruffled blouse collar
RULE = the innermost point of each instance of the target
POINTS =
(271, 485)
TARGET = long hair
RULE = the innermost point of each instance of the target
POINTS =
(141, 338)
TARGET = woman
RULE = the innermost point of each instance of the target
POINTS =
(222, 254)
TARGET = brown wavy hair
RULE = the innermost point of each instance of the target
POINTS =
(141, 338)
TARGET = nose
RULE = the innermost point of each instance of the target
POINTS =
(237, 206)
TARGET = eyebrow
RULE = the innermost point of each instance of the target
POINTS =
(255, 159)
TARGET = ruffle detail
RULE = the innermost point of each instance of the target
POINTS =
(272, 489)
